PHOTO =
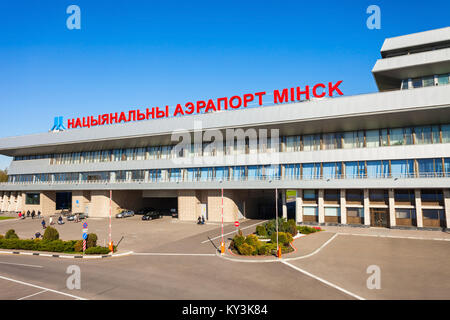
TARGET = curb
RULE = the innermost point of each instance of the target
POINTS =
(67, 256)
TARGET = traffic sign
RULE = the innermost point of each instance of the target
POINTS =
(85, 225)
(85, 236)
(237, 224)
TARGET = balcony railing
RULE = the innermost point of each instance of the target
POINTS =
(267, 178)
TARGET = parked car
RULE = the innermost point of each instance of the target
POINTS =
(65, 212)
(144, 211)
(152, 215)
(174, 213)
(125, 214)
(81, 216)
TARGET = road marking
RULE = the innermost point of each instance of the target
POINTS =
(322, 280)
(394, 237)
(23, 265)
(32, 295)
(174, 254)
(42, 288)
(226, 234)
(316, 251)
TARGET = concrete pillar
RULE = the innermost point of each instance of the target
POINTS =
(188, 205)
(5, 201)
(447, 207)
(19, 201)
(321, 207)
(12, 202)
(283, 202)
(146, 175)
(419, 216)
(48, 203)
(366, 207)
(343, 207)
(112, 177)
(392, 208)
(299, 206)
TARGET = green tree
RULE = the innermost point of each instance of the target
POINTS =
(3, 176)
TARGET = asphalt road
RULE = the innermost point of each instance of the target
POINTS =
(188, 268)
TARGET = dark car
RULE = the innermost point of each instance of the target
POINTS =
(125, 214)
(144, 211)
(174, 213)
(152, 215)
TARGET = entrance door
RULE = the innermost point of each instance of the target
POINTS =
(379, 217)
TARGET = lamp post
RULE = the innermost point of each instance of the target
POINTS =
(276, 222)
(222, 245)
(111, 246)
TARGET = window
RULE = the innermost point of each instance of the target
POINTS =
(310, 211)
(402, 168)
(430, 167)
(355, 212)
(332, 212)
(428, 81)
(311, 171)
(354, 196)
(443, 79)
(433, 214)
(332, 170)
(33, 199)
(405, 213)
(331, 196)
(372, 138)
(432, 196)
(417, 83)
(310, 195)
(311, 142)
(355, 170)
(405, 84)
(397, 137)
(355, 139)
(445, 133)
(404, 196)
(377, 169)
(379, 196)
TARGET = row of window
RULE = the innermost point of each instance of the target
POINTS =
(438, 167)
(327, 141)
(427, 81)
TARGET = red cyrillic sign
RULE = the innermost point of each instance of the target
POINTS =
(286, 95)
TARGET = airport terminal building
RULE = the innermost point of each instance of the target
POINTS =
(380, 159)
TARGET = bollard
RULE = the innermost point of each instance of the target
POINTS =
(279, 253)
(222, 248)
(111, 247)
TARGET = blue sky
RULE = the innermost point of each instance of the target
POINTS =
(138, 54)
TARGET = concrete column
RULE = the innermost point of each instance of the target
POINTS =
(299, 206)
(12, 202)
(321, 207)
(366, 207)
(112, 177)
(392, 208)
(447, 207)
(5, 201)
(146, 175)
(19, 201)
(419, 216)
(284, 205)
(343, 207)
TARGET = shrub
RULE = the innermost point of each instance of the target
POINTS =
(91, 240)
(50, 234)
(291, 227)
(246, 250)
(238, 241)
(261, 231)
(252, 240)
(1, 236)
(78, 246)
(264, 250)
(283, 238)
(97, 250)
(11, 234)
(308, 230)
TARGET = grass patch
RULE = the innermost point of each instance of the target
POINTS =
(6, 218)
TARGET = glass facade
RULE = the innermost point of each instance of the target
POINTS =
(381, 169)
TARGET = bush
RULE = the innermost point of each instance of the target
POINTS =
(261, 231)
(246, 250)
(264, 250)
(78, 246)
(238, 241)
(38, 245)
(91, 240)
(1, 236)
(307, 230)
(11, 234)
(283, 238)
(252, 240)
(97, 250)
(50, 234)
(291, 227)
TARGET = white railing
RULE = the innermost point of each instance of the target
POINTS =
(267, 178)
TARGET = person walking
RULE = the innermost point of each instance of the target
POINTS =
(33, 214)
(39, 214)
(20, 215)
(43, 224)
(28, 213)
